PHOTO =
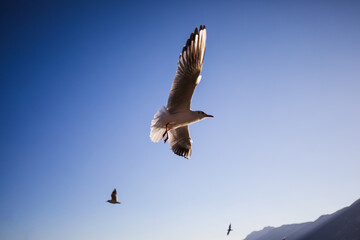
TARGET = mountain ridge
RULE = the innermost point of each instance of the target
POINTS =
(343, 224)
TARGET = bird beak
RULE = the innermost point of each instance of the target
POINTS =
(209, 115)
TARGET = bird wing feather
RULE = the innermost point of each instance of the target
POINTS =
(180, 141)
(188, 72)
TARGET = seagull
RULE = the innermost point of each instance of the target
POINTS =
(172, 122)
(229, 230)
(114, 198)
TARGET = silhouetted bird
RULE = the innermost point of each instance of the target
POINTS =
(172, 122)
(229, 229)
(114, 198)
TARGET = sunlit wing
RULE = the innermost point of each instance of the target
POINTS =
(180, 141)
(188, 72)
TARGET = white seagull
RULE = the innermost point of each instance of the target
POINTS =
(114, 198)
(172, 122)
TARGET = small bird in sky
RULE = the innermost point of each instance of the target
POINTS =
(114, 198)
(172, 122)
(229, 229)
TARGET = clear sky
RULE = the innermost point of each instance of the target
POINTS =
(81, 82)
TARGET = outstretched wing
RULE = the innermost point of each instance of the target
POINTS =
(114, 195)
(180, 141)
(188, 72)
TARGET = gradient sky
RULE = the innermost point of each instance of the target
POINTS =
(81, 82)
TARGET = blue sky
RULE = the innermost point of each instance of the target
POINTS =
(80, 83)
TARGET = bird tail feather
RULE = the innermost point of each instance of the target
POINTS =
(157, 124)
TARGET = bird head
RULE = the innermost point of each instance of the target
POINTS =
(203, 115)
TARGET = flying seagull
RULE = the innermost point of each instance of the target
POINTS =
(229, 229)
(114, 198)
(172, 122)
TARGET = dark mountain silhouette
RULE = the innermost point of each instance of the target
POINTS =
(258, 234)
(271, 233)
(341, 225)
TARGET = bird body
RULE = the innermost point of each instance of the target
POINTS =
(172, 122)
(184, 118)
(114, 198)
(229, 229)
(164, 118)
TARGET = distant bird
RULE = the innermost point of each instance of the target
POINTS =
(229, 229)
(172, 122)
(114, 198)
